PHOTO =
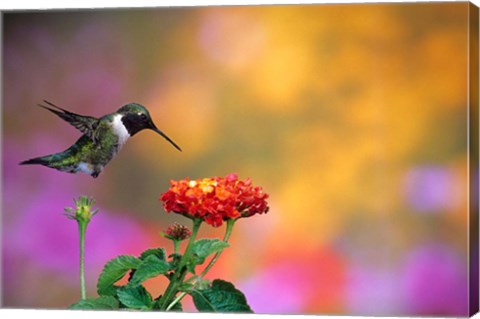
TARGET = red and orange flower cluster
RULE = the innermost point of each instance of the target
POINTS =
(215, 200)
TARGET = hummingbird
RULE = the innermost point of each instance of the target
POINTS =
(102, 138)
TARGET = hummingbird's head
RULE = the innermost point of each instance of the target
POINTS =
(135, 117)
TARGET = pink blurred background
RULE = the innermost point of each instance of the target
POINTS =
(352, 117)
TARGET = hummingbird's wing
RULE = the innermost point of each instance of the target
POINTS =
(86, 124)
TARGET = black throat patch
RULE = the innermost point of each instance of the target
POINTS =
(133, 123)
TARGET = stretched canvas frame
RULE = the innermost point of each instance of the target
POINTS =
(320, 105)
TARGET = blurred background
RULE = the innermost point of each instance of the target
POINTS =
(352, 117)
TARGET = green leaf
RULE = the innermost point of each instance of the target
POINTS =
(135, 298)
(203, 248)
(102, 302)
(113, 271)
(149, 268)
(157, 252)
(221, 296)
(155, 304)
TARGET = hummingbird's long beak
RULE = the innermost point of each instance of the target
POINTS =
(154, 128)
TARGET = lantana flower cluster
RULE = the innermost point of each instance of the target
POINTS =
(178, 232)
(215, 200)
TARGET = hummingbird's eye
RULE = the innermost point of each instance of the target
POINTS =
(143, 116)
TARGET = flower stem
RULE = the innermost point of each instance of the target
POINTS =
(196, 279)
(179, 297)
(176, 246)
(82, 228)
(171, 290)
(196, 227)
(226, 237)
(82, 214)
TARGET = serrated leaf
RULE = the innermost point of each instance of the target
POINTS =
(102, 302)
(221, 296)
(149, 268)
(113, 271)
(135, 298)
(157, 252)
(203, 248)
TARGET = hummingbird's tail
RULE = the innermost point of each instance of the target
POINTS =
(58, 161)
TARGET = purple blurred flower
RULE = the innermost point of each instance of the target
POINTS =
(25, 185)
(372, 291)
(435, 282)
(280, 289)
(430, 188)
(44, 237)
